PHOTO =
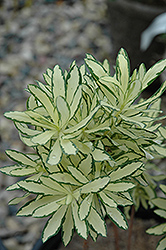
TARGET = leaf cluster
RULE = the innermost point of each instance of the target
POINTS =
(92, 139)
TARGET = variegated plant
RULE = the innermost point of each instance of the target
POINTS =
(160, 229)
(91, 139)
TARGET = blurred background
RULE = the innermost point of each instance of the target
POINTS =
(36, 35)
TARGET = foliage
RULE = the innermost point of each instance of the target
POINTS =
(92, 140)
(161, 211)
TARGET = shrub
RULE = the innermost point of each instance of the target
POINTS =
(92, 140)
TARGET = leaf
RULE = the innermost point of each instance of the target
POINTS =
(23, 171)
(77, 174)
(67, 227)
(36, 188)
(119, 199)
(31, 102)
(82, 123)
(8, 169)
(58, 83)
(65, 178)
(39, 120)
(44, 99)
(95, 185)
(54, 223)
(51, 183)
(68, 147)
(72, 83)
(161, 244)
(46, 209)
(127, 170)
(97, 222)
(159, 202)
(107, 200)
(163, 131)
(85, 166)
(123, 69)
(29, 207)
(120, 187)
(16, 200)
(100, 155)
(85, 207)
(43, 137)
(157, 230)
(153, 73)
(96, 68)
(76, 101)
(117, 217)
(63, 111)
(55, 154)
(161, 213)
(23, 128)
(163, 188)
(80, 225)
(20, 158)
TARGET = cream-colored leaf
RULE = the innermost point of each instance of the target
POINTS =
(97, 222)
(95, 185)
(80, 225)
(117, 217)
(54, 223)
(77, 174)
(119, 187)
(125, 171)
(107, 200)
(55, 154)
(85, 207)
(67, 227)
(58, 83)
(157, 230)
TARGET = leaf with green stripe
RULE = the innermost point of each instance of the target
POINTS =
(153, 73)
(46, 209)
(73, 82)
(20, 158)
(54, 223)
(63, 111)
(95, 185)
(65, 178)
(43, 137)
(29, 207)
(117, 217)
(85, 165)
(97, 222)
(58, 83)
(77, 174)
(36, 188)
(44, 99)
(82, 123)
(127, 170)
(80, 225)
(123, 69)
(68, 147)
(161, 244)
(85, 206)
(55, 154)
(120, 186)
(107, 199)
(157, 230)
(67, 227)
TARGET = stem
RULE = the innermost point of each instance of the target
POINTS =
(116, 235)
(130, 227)
(85, 245)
